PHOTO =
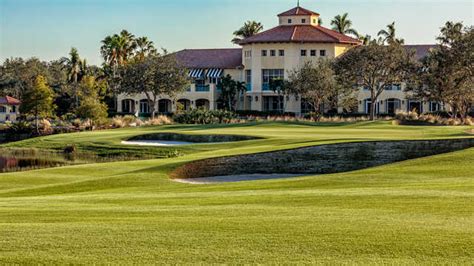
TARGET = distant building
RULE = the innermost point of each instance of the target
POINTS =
(269, 55)
(9, 109)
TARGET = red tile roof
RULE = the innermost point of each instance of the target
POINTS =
(421, 50)
(230, 58)
(300, 33)
(9, 100)
(298, 11)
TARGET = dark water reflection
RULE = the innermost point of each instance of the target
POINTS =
(22, 160)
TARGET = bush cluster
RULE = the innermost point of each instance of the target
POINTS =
(201, 116)
(413, 118)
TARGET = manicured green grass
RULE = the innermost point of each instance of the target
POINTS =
(418, 211)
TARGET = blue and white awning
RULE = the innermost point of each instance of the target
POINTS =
(196, 73)
(214, 73)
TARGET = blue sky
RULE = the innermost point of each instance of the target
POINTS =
(49, 28)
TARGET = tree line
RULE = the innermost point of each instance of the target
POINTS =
(69, 87)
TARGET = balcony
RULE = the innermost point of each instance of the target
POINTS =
(203, 88)
(266, 87)
(248, 87)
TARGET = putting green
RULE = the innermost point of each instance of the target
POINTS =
(417, 211)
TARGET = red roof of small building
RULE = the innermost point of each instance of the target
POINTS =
(300, 34)
(9, 100)
(298, 11)
(229, 58)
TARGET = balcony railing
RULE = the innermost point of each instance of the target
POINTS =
(202, 88)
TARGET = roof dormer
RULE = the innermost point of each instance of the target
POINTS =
(298, 16)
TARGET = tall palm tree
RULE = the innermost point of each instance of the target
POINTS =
(249, 29)
(76, 69)
(389, 35)
(450, 32)
(343, 25)
(144, 48)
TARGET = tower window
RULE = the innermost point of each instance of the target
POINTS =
(313, 53)
(264, 52)
(322, 53)
(289, 21)
(303, 21)
(281, 52)
(303, 52)
(272, 53)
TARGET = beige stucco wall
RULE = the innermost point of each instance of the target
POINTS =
(12, 116)
(298, 20)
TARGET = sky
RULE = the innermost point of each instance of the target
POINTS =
(47, 29)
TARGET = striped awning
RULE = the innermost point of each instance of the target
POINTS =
(196, 73)
(214, 73)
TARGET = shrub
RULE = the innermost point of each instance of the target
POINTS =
(159, 120)
(201, 116)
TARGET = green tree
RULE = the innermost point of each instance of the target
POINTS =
(91, 95)
(18, 75)
(249, 29)
(389, 35)
(38, 101)
(154, 76)
(343, 25)
(230, 90)
(373, 67)
(316, 83)
(76, 69)
(446, 75)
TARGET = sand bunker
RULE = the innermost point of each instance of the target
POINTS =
(233, 178)
(157, 143)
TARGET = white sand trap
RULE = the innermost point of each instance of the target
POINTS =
(156, 143)
(233, 178)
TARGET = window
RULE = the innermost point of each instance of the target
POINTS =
(214, 80)
(281, 52)
(322, 53)
(264, 52)
(313, 52)
(271, 74)
(248, 79)
(248, 53)
(272, 53)
(3, 109)
(314, 21)
(248, 76)
(289, 21)
(303, 52)
(13, 110)
(303, 21)
(435, 107)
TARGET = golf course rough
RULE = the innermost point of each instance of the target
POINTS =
(416, 211)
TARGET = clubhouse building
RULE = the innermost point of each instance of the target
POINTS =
(298, 38)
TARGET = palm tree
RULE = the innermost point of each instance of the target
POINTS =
(249, 29)
(450, 32)
(365, 39)
(76, 69)
(144, 47)
(389, 36)
(320, 21)
(343, 25)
